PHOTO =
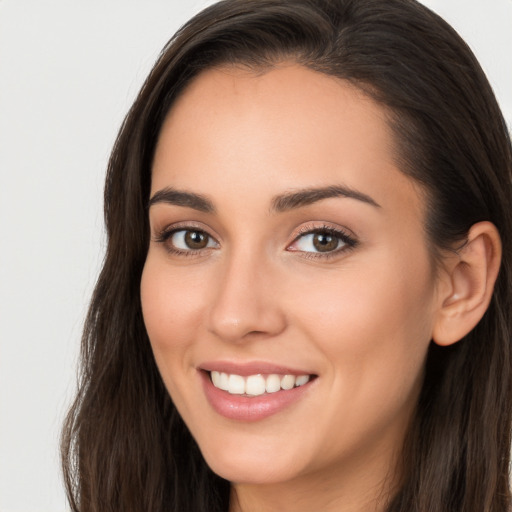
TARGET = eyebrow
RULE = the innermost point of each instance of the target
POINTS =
(307, 196)
(280, 203)
(170, 195)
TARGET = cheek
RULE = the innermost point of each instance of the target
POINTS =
(374, 324)
(171, 309)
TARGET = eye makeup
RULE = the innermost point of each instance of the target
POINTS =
(311, 240)
(325, 241)
(186, 239)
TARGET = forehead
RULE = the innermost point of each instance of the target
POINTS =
(237, 131)
(285, 104)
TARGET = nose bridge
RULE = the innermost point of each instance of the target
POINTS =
(244, 302)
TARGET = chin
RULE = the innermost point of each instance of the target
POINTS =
(252, 467)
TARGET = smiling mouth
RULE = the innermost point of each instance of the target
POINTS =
(256, 385)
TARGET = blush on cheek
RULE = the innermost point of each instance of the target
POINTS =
(158, 299)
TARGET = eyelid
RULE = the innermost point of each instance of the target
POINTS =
(347, 236)
(167, 229)
(163, 236)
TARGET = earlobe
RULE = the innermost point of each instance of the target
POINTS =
(471, 277)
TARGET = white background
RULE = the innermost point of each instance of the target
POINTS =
(69, 71)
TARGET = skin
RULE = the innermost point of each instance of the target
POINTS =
(361, 319)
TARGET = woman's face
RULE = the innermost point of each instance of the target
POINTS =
(288, 259)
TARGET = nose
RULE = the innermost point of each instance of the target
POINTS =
(245, 305)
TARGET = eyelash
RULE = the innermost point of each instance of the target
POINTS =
(164, 236)
(349, 241)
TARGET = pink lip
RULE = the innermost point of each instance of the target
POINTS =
(250, 368)
(249, 409)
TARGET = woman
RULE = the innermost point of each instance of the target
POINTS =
(305, 301)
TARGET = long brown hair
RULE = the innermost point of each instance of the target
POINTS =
(124, 445)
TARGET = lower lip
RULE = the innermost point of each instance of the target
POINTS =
(245, 408)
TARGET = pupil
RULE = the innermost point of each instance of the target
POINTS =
(196, 239)
(324, 243)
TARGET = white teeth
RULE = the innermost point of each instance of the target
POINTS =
(236, 385)
(215, 379)
(273, 383)
(301, 380)
(256, 385)
(287, 382)
(224, 381)
(220, 380)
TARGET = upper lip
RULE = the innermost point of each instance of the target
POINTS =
(251, 368)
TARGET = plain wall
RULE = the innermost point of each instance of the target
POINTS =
(69, 71)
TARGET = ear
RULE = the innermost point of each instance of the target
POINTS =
(467, 286)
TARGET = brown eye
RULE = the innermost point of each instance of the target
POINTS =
(196, 239)
(190, 240)
(325, 242)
